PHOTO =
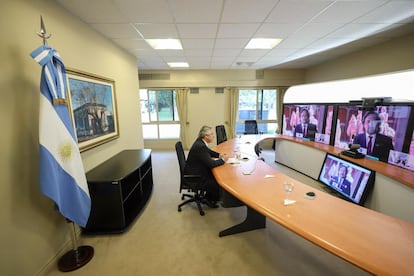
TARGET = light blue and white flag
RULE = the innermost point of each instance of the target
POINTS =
(62, 176)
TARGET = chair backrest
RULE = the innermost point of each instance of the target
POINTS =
(181, 157)
(221, 134)
(250, 127)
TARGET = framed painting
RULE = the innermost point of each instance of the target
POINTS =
(92, 103)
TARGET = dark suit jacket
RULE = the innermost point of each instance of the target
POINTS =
(310, 133)
(345, 186)
(382, 146)
(200, 162)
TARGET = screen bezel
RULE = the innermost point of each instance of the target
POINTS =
(365, 190)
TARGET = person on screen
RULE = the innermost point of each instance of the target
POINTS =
(294, 118)
(377, 144)
(385, 127)
(201, 159)
(340, 181)
(305, 129)
(352, 128)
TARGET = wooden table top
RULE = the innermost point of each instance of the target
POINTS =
(375, 242)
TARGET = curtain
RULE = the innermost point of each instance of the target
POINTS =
(234, 109)
(279, 107)
(181, 94)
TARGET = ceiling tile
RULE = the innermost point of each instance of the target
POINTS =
(144, 11)
(149, 30)
(197, 30)
(246, 11)
(296, 11)
(237, 30)
(196, 11)
(117, 30)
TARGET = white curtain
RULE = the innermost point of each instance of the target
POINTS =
(234, 110)
(181, 94)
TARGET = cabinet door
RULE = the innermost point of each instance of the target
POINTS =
(107, 212)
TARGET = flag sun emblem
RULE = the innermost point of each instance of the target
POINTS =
(65, 151)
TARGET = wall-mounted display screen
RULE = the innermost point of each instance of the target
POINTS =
(308, 121)
(377, 130)
(351, 181)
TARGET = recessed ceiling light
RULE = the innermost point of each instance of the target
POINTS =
(178, 64)
(165, 44)
(263, 43)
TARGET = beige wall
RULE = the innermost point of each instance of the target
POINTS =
(391, 56)
(32, 233)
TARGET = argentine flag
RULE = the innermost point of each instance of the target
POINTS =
(62, 176)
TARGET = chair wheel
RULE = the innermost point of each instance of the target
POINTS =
(179, 209)
(201, 213)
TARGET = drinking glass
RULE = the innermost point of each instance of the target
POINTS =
(288, 186)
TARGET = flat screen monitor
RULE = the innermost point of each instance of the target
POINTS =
(318, 127)
(349, 180)
(389, 122)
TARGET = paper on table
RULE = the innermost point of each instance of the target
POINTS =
(288, 201)
(233, 160)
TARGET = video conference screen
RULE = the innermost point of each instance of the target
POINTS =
(308, 121)
(353, 182)
(384, 132)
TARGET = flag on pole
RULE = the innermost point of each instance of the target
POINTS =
(62, 176)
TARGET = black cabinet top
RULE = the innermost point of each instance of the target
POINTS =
(119, 166)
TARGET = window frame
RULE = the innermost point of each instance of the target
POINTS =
(258, 109)
(157, 122)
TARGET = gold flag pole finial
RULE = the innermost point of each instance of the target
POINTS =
(42, 32)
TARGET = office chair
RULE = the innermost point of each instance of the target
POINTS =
(221, 134)
(250, 127)
(191, 183)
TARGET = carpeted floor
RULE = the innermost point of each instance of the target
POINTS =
(163, 241)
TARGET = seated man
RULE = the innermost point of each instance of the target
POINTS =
(201, 159)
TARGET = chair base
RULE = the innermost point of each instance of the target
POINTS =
(192, 198)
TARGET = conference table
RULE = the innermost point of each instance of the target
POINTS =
(375, 242)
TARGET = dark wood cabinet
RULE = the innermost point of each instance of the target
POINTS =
(119, 189)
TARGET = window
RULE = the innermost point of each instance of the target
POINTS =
(259, 105)
(159, 114)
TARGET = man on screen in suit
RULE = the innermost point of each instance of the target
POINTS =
(305, 128)
(340, 181)
(377, 144)
(201, 159)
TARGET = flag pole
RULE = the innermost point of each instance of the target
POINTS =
(78, 256)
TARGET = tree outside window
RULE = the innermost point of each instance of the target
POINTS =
(259, 105)
(159, 114)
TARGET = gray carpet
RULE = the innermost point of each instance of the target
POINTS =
(163, 241)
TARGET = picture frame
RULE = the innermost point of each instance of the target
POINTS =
(92, 105)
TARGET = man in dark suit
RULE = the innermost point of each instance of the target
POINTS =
(340, 181)
(305, 129)
(201, 159)
(377, 144)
